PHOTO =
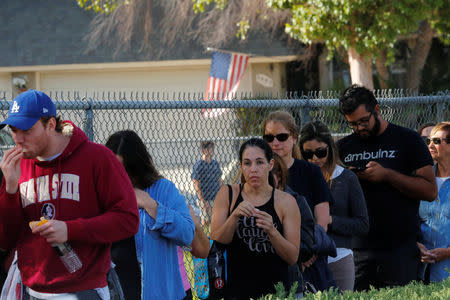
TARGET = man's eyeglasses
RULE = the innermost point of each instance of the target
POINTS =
(437, 141)
(281, 137)
(319, 153)
(363, 122)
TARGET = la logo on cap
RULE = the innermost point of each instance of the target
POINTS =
(15, 108)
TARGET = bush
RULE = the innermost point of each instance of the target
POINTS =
(412, 291)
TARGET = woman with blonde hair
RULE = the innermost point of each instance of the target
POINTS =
(348, 215)
(306, 179)
(435, 247)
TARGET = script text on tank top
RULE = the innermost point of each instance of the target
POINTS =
(255, 237)
(366, 155)
(69, 185)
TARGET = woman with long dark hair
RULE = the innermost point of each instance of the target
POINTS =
(348, 215)
(259, 224)
(165, 221)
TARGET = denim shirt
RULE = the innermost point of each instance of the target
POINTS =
(157, 241)
(436, 227)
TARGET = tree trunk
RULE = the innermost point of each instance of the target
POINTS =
(419, 56)
(325, 77)
(360, 69)
(382, 71)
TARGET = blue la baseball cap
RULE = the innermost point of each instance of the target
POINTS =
(27, 108)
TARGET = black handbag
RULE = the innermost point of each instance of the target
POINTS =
(216, 271)
(217, 264)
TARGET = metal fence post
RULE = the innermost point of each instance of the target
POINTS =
(89, 125)
(305, 110)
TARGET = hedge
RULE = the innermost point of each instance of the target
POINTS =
(412, 291)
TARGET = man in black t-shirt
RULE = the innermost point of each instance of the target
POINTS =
(394, 167)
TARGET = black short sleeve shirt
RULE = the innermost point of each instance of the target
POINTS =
(393, 216)
(306, 179)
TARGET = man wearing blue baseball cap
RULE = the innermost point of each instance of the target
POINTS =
(55, 174)
(28, 108)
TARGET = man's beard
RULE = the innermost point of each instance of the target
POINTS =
(373, 132)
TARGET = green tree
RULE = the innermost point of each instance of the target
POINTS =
(365, 30)
(139, 24)
(100, 6)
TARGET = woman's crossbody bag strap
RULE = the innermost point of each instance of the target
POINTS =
(230, 198)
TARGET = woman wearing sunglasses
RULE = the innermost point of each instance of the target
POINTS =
(281, 132)
(306, 179)
(348, 215)
(435, 247)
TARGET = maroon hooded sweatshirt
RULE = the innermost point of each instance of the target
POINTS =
(96, 200)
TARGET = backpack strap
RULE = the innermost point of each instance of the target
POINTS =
(230, 198)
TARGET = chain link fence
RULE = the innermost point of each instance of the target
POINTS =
(174, 125)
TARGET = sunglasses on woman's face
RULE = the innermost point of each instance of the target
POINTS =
(437, 141)
(319, 153)
(281, 137)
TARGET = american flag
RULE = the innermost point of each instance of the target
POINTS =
(224, 77)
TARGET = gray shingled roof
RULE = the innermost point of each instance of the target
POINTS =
(47, 32)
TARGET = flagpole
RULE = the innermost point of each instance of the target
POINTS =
(211, 49)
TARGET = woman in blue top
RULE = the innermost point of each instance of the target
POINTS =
(435, 249)
(165, 221)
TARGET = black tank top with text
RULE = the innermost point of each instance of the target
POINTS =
(253, 265)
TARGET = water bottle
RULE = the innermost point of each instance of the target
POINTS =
(68, 257)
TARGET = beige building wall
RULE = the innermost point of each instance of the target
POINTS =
(268, 77)
(126, 77)
(184, 80)
(263, 74)
(151, 80)
(5, 84)
(172, 133)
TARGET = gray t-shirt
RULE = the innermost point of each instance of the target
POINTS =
(208, 175)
